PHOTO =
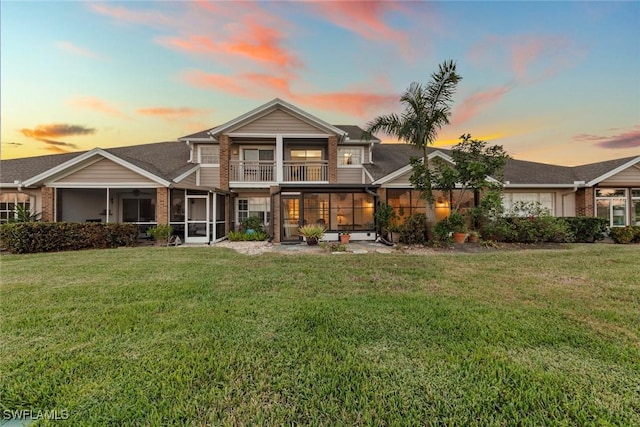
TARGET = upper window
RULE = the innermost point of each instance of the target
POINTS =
(209, 155)
(306, 155)
(348, 156)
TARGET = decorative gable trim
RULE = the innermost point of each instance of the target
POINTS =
(630, 163)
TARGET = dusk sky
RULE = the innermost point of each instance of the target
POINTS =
(555, 82)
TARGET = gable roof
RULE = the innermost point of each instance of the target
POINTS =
(163, 161)
(260, 111)
(594, 173)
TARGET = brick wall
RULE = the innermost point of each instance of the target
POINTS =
(162, 205)
(275, 214)
(585, 201)
(225, 157)
(48, 204)
(333, 159)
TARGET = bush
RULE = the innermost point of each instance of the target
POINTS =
(242, 236)
(442, 231)
(625, 235)
(415, 230)
(586, 229)
(32, 237)
(252, 223)
(160, 232)
(533, 229)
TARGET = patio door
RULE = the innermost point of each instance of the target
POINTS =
(290, 218)
(197, 211)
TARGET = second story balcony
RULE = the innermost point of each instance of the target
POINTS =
(256, 172)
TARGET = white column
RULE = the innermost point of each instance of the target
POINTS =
(279, 157)
(108, 208)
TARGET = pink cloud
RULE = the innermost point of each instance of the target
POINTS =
(251, 40)
(97, 104)
(365, 18)
(125, 15)
(531, 58)
(170, 113)
(629, 139)
(77, 50)
(473, 104)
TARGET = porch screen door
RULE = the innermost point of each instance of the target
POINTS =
(290, 219)
(197, 219)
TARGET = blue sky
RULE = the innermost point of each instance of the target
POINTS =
(555, 82)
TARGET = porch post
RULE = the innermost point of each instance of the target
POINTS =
(275, 213)
(225, 157)
(279, 157)
(107, 210)
(333, 159)
(162, 205)
(48, 204)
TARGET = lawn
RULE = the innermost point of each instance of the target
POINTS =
(205, 336)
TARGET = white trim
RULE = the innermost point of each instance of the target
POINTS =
(275, 135)
(612, 172)
(534, 186)
(186, 174)
(353, 165)
(100, 185)
(367, 174)
(273, 105)
(87, 156)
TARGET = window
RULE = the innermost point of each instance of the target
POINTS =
(8, 203)
(255, 155)
(513, 200)
(209, 155)
(405, 202)
(306, 155)
(316, 208)
(255, 206)
(351, 156)
(611, 204)
(351, 211)
(138, 210)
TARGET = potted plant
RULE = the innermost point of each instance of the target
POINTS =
(345, 236)
(395, 230)
(312, 233)
(458, 225)
(384, 215)
(474, 237)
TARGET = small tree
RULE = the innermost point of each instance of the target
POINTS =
(426, 110)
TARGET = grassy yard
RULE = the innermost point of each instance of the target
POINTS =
(204, 336)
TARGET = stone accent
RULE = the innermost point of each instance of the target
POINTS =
(225, 158)
(48, 204)
(162, 205)
(275, 214)
(585, 200)
(333, 159)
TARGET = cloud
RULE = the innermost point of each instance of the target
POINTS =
(630, 139)
(529, 57)
(77, 50)
(55, 130)
(58, 143)
(129, 16)
(16, 144)
(170, 113)
(251, 40)
(366, 18)
(477, 102)
(97, 104)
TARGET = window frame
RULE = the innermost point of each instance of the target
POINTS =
(342, 155)
(201, 154)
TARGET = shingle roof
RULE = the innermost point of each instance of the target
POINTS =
(355, 133)
(524, 172)
(594, 170)
(164, 159)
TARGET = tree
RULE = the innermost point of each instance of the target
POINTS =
(476, 167)
(426, 110)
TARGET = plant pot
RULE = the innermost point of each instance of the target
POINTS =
(344, 238)
(395, 237)
(474, 238)
(312, 241)
(459, 237)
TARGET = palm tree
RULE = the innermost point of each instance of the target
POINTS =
(426, 110)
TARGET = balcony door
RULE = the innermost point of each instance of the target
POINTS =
(258, 164)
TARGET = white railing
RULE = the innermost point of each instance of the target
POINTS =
(252, 171)
(265, 171)
(305, 171)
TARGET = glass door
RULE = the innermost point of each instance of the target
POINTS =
(290, 214)
(197, 219)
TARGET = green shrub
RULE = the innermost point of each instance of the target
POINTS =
(625, 235)
(532, 229)
(499, 230)
(442, 231)
(313, 231)
(415, 230)
(586, 229)
(243, 236)
(32, 237)
(252, 223)
(160, 232)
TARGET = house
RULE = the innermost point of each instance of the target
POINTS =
(289, 168)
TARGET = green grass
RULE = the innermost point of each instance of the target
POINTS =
(204, 336)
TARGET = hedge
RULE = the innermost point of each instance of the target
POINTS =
(625, 235)
(32, 237)
(587, 229)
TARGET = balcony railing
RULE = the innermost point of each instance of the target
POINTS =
(305, 171)
(265, 171)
